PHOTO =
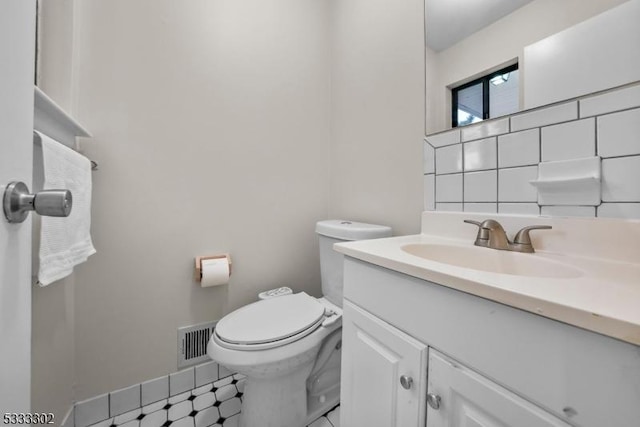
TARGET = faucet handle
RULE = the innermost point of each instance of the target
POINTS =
(523, 238)
(482, 239)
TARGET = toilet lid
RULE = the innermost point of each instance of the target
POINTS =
(271, 320)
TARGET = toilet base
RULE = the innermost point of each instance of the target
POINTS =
(276, 402)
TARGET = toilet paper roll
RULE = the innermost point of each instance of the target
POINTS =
(215, 272)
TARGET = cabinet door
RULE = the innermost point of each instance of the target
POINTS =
(468, 399)
(375, 356)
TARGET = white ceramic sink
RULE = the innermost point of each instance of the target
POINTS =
(494, 261)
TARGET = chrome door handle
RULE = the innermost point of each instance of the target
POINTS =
(18, 202)
(433, 400)
(406, 382)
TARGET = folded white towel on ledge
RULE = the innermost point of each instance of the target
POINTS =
(65, 242)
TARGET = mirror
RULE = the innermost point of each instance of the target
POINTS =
(469, 39)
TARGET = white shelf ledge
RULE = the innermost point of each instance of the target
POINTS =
(561, 183)
(53, 121)
(569, 182)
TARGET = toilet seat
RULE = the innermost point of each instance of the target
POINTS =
(270, 323)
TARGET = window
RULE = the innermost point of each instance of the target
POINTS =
(493, 95)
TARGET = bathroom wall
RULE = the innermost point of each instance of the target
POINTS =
(211, 125)
(499, 44)
(487, 167)
(53, 312)
(377, 112)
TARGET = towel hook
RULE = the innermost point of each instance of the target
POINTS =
(18, 202)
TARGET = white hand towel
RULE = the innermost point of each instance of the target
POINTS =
(65, 242)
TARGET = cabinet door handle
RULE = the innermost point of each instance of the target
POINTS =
(433, 400)
(406, 382)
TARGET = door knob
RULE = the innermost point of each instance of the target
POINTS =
(433, 400)
(18, 202)
(406, 382)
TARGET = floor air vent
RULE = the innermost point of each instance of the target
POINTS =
(192, 344)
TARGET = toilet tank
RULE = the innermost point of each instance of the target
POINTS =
(331, 267)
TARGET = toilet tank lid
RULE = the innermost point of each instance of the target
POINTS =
(349, 230)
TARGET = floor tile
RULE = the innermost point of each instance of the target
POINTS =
(207, 417)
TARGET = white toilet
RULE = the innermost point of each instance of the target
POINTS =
(289, 346)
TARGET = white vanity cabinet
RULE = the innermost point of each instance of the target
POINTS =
(383, 373)
(490, 364)
(460, 397)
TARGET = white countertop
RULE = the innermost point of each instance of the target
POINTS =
(605, 298)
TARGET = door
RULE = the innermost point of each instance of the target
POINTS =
(17, 50)
(467, 399)
(375, 356)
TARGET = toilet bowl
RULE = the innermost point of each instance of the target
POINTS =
(289, 346)
(275, 343)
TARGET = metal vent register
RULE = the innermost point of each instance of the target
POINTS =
(192, 344)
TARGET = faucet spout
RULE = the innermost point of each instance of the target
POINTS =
(497, 236)
(491, 235)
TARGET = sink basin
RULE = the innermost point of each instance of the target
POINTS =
(493, 261)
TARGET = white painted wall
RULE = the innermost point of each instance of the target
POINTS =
(214, 123)
(597, 54)
(377, 112)
(501, 43)
(53, 316)
(211, 127)
(17, 39)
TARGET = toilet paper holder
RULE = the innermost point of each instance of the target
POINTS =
(199, 259)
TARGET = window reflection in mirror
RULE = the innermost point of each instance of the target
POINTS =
(490, 96)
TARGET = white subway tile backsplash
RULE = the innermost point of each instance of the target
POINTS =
(545, 116)
(449, 207)
(481, 207)
(519, 149)
(514, 186)
(571, 140)
(619, 210)
(449, 188)
(480, 155)
(449, 159)
(616, 100)
(430, 192)
(92, 411)
(444, 138)
(154, 390)
(429, 161)
(124, 400)
(485, 129)
(488, 166)
(519, 208)
(481, 186)
(621, 179)
(582, 211)
(619, 134)
(182, 381)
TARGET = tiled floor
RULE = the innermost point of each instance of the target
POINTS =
(216, 404)
(331, 419)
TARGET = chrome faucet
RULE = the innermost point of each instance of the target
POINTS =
(492, 235)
